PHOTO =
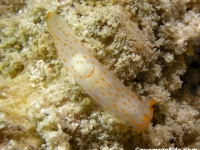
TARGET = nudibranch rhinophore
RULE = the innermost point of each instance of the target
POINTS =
(95, 79)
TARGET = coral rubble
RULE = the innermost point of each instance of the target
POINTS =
(147, 44)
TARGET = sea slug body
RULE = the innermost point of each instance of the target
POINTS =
(95, 79)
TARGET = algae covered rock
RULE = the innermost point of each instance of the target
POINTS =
(146, 44)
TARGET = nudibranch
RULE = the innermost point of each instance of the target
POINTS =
(95, 79)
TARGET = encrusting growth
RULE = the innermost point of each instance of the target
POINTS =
(95, 79)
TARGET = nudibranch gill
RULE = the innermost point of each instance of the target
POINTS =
(95, 79)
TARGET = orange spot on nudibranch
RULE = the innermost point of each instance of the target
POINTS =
(107, 99)
(118, 116)
(132, 95)
(96, 98)
(123, 111)
(102, 87)
(129, 100)
(102, 79)
(124, 103)
(90, 73)
(127, 115)
(115, 84)
(144, 117)
(116, 95)
(118, 89)
(113, 78)
(115, 106)
(107, 108)
(102, 93)
(104, 84)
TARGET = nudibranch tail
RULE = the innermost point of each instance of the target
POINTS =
(95, 79)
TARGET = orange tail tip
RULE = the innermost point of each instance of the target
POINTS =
(151, 103)
(144, 117)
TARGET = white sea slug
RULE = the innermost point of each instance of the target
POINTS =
(95, 79)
